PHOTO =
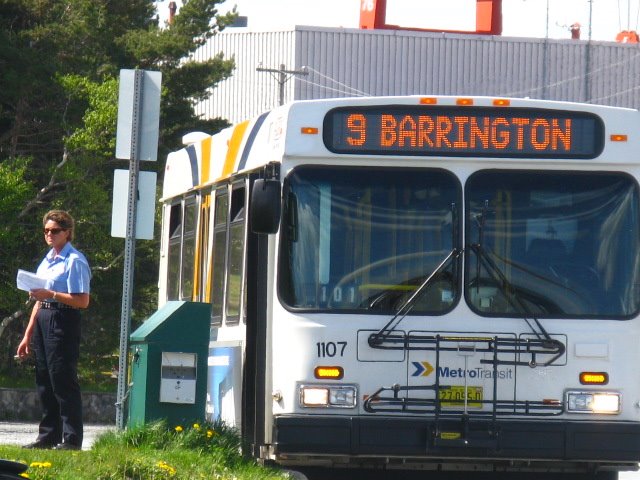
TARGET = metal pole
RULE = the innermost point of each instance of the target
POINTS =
(545, 61)
(282, 77)
(129, 251)
(587, 63)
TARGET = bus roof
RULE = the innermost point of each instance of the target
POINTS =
(298, 130)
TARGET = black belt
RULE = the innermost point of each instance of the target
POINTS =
(55, 306)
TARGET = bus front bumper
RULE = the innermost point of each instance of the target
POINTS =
(421, 441)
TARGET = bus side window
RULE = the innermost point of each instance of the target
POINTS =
(188, 248)
(235, 279)
(219, 255)
(173, 267)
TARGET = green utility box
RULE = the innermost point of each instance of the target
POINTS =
(168, 355)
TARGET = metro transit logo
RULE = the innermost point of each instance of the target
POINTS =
(423, 369)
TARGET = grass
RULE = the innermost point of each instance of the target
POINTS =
(149, 452)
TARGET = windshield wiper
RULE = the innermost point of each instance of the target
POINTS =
(512, 297)
(379, 337)
(515, 301)
(508, 288)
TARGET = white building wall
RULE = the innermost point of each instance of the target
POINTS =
(351, 62)
(247, 92)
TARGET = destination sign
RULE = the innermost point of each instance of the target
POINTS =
(464, 131)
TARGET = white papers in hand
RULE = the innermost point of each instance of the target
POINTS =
(29, 281)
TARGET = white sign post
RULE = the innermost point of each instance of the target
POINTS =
(146, 204)
(137, 139)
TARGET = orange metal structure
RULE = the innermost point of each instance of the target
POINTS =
(628, 36)
(488, 17)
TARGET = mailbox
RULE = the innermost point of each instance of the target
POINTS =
(168, 355)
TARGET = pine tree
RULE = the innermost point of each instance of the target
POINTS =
(60, 65)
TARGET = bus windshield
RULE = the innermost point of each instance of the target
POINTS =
(552, 244)
(364, 239)
(537, 244)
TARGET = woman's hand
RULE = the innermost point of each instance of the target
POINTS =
(41, 294)
(24, 350)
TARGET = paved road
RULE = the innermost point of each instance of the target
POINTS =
(14, 433)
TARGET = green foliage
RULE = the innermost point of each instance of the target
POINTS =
(60, 63)
(153, 451)
(95, 136)
(15, 191)
(217, 447)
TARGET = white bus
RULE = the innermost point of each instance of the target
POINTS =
(416, 282)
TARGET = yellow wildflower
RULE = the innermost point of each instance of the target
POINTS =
(210, 433)
(178, 429)
(196, 426)
(40, 464)
(168, 468)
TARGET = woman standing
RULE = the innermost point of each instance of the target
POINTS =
(53, 333)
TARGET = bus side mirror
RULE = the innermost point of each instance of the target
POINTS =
(265, 206)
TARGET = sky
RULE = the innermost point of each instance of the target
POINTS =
(520, 18)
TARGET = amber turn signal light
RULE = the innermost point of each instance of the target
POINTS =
(594, 378)
(329, 373)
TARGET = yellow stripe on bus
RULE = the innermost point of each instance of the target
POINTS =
(206, 160)
(234, 148)
(202, 235)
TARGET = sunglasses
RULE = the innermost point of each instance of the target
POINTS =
(53, 231)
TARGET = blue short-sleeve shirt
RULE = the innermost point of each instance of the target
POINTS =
(66, 272)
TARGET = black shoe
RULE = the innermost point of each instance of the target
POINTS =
(66, 446)
(40, 445)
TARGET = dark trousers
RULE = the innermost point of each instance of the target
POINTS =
(56, 343)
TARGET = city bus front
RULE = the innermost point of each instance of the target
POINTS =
(465, 314)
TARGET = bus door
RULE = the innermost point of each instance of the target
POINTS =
(228, 323)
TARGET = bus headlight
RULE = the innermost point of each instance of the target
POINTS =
(593, 402)
(342, 396)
